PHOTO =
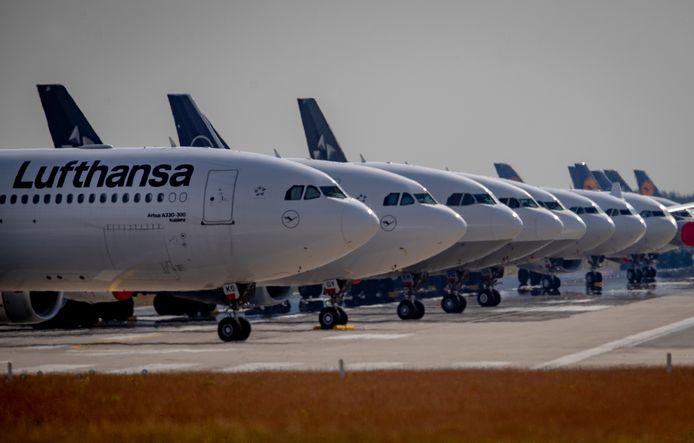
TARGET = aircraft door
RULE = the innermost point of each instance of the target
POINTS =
(219, 197)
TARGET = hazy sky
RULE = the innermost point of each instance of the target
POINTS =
(538, 84)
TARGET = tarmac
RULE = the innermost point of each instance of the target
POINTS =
(619, 328)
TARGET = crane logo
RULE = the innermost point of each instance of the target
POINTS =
(290, 219)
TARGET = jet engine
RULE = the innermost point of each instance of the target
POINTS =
(25, 307)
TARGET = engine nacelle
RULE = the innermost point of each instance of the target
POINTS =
(29, 307)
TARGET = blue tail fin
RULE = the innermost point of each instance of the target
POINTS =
(582, 178)
(645, 184)
(322, 144)
(193, 128)
(604, 182)
(615, 177)
(66, 122)
(504, 170)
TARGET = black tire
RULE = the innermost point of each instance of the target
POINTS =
(328, 318)
(523, 276)
(229, 329)
(485, 298)
(245, 329)
(590, 278)
(630, 275)
(547, 283)
(343, 318)
(405, 310)
(463, 302)
(556, 283)
(450, 303)
(418, 310)
(496, 295)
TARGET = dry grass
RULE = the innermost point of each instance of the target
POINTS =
(395, 406)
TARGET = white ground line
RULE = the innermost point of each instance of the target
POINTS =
(630, 341)
(367, 337)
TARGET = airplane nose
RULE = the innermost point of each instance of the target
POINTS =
(506, 223)
(574, 227)
(600, 229)
(359, 224)
(547, 225)
(446, 226)
(665, 230)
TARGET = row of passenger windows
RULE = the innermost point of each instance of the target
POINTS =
(406, 199)
(460, 199)
(91, 198)
(296, 192)
(515, 203)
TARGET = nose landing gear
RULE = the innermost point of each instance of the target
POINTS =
(410, 308)
(234, 327)
(333, 315)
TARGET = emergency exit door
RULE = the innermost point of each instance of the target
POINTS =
(219, 197)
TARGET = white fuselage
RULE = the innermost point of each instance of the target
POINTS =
(164, 219)
(661, 227)
(413, 226)
(490, 225)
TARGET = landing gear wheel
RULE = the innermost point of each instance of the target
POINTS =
(418, 310)
(343, 318)
(451, 304)
(230, 329)
(485, 298)
(406, 310)
(496, 296)
(328, 318)
(547, 283)
(245, 329)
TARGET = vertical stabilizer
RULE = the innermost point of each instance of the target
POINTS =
(616, 177)
(68, 126)
(645, 184)
(322, 144)
(582, 178)
(193, 128)
(504, 170)
(604, 182)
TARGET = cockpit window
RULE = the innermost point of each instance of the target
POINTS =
(294, 193)
(592, 210)
(468, 199)
(612, 212)
(577, 210)
(333, 192)
(626, 212)
(391, 199)
(512, 203)
(454, 199)
(485, 199)
(658, 213)
(406, 199)
(683, 214)
(528, 203)
(425, 198)
(311, 193)
(552, 205)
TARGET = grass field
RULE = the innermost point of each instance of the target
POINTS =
(477, 405)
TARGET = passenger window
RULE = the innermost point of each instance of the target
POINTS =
(69, 198)
(35, 199)
(114, 198)
(3, 199)
(13, 199)
(311, 193)
(136, 197)
(160, 197)
(25, 199)
(294, 193)
(80, 198)
(58, 199)
(47, 198)
(92, 198)
(103, 198)
(148, 197)
(454, 199)
(468, 199)
(391, 199)
(126, 197)
(406, 200)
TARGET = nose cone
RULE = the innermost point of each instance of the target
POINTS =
(506, 224)
(660, 231)
(600, 229)
(574, 227)
(547, 225)
(359, 224)
(445, 226)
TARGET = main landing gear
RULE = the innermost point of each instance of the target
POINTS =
(642, 272)
(453, 301)
(593, 277)
(537, 284)
(487, 295)
(333, 315)
(234, 327)
(411, 308)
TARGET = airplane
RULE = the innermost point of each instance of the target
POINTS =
(661, 228)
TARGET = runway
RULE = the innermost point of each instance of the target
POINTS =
(571, 330)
